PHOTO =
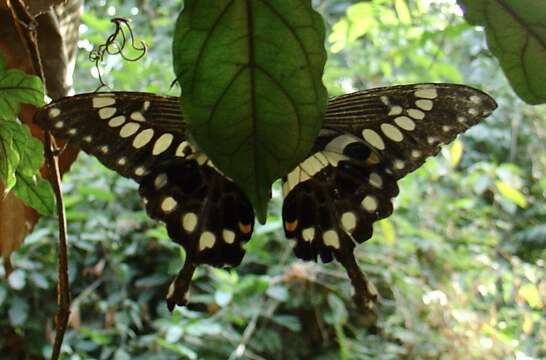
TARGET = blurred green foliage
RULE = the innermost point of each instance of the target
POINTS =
(459, 266)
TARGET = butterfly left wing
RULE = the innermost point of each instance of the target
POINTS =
(143, 136)
(368, 141)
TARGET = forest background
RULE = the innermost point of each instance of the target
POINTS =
(459, 265)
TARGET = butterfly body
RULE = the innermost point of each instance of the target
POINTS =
(369, 140)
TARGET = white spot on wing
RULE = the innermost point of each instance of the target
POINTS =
(140, 171)
(405, 123)
(427, 93)
(416, 114)
(181, 149)
(395, 110)
(54, 112)
(168, 204)
(369, 203)
(116, 121)
(376, 180)
(206, 240)
(143, 138)
(399, 164)
(129, 129)
(228, 236)
(189, 222)
(339, 143)
(308, 234)
(102, 101)
(137, 116)
(348, 220)
(476, 99)
(425, 104)
(160, 181)
(311, 165)
(162, 144)
(107, 113)
(59, 124)
(373, 139)
(392, 132)
(331, 238)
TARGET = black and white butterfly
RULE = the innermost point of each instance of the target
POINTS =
(369, 140)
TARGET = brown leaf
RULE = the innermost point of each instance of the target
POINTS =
(16, 222)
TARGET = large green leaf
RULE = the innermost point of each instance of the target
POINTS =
(252, 93)
(516, 35)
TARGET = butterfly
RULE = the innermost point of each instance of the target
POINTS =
(369, 140)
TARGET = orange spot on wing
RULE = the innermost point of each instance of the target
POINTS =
(373, 159)
(291, 226)
(245, 228)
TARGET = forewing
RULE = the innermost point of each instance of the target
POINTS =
(406, 124)
(127, 131)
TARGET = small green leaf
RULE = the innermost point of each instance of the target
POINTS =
(531, 295)
(17, 279)
(516, 35)
(2, 62)
(403, 11)
(36, 193)
(339, 311)
(18, 312)
(511, 194)
(179, 349)
(278, 292)
(222, 297)
(456, 153)
(18, 88)
(30, 149)
(388, 231)
(252, 92)
(3, 293)
(8, 158)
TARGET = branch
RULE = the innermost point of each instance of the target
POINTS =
(26, 27)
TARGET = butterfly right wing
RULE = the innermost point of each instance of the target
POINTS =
(369, 140)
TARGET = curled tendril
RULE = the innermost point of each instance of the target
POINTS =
(115, 45)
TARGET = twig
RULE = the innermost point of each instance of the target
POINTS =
(63, 289)
(241, 349)
(26, 27)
